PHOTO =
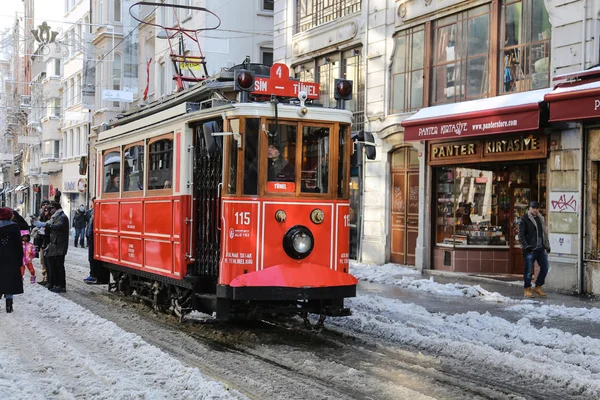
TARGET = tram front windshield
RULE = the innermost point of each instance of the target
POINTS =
(294, 159)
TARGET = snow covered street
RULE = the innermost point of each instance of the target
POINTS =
(54, 348)
(409, 337)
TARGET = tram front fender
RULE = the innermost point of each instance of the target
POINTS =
(302, 275)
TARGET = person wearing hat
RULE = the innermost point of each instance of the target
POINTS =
(58, 230)
(533, 237)
(11, 253)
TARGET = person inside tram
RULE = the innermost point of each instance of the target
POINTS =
(279, 168)
(113, 184)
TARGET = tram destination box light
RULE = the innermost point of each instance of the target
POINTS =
(244, 81)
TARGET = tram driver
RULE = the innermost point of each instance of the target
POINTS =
(279, 168)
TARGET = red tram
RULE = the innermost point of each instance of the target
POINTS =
(231, 197)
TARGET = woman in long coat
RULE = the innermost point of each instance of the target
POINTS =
(11, 254)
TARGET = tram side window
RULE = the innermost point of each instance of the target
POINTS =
(133, 168)
(251, 156)
(315, 160)
(281, 154)
(160, 164)
(112, 172)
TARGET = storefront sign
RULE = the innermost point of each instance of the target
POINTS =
(512, 145)
(70, 186)
(505, 149)
(81, 185)
(473, 124)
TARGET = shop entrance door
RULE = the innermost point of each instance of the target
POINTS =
(404, 206)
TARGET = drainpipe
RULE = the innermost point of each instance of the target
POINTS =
(581, 278)
(583, 35)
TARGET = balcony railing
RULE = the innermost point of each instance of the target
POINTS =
(310, 14)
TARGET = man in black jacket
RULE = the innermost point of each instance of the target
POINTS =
(533, 236)
(58, 228)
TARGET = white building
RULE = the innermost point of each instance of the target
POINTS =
(133, 64)
(76, 118)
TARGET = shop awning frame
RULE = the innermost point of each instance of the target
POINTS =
(495, 115)
(575, 97)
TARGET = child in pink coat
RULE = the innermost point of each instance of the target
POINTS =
(28, 255)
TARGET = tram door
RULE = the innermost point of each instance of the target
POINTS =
(404, 205)
(208, 173)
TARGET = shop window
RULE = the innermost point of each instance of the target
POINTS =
(112, 171)
(461, 63)
(407, 70)
(251, 135)
(305, 72)
(315, 160)
(353, 70)
(133, 168)
(160, 164)
(482, 206)
(525, 46)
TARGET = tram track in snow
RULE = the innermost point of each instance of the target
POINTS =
(381, 369)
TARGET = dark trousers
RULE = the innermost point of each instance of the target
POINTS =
(80, 233)
(57, 276)
(101, 274)
(530, 257)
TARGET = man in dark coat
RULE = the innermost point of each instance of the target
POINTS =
(98, 274)
(58, 229)
(533, 237)
(11, 253)
(79, 223)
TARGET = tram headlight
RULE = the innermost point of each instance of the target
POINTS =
(298, 242)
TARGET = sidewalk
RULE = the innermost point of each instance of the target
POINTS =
(501, 296)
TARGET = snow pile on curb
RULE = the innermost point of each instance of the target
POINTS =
(407, 278)
(549, 360)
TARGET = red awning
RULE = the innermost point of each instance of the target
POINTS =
(501, 114)
(576, 96)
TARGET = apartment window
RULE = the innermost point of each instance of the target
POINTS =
(51, 149)
(71, 92)
(100, 9)
(77, 144)
(352, 70)
(407, 70)
(116, 77)
(57, 106)
(78, 89)
(461, 64)
(66, 6)
(306, 72)
(312, 13)
(183, 13)
(266, 56)
(329, 70)
(83, 140)
(162, 79)
(346, 65)
(525, 46)
(117, 10)
(267, 5)
(71, 145)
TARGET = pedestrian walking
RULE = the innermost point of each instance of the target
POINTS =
(533, 237)
(11, 254)
(28, 255)
(79, 223)
(58, 230)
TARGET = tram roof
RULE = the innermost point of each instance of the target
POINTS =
(189, 113)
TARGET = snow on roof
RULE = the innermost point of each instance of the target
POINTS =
(509, 100)
(585, 71)
(585, 86)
